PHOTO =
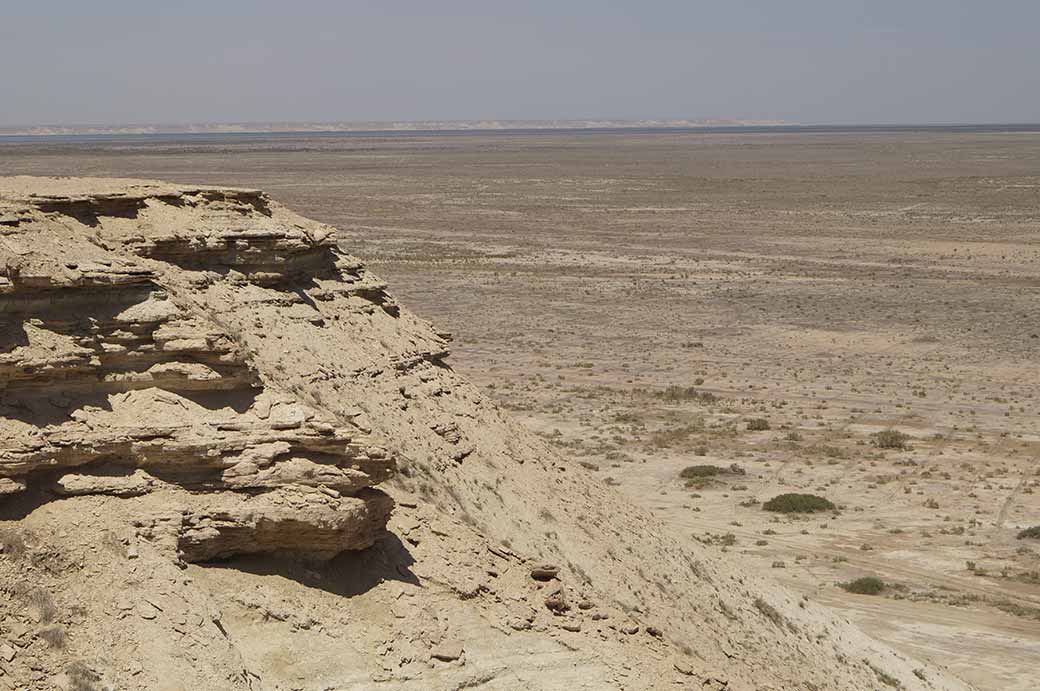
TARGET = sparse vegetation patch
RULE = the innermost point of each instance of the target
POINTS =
(675, 435)
(1030, 533)
(701, 471)
(682, 394)
(867, 585)
(884, 677)
(798, 503)
(891, 439)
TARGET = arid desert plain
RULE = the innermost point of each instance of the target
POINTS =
(761, 304)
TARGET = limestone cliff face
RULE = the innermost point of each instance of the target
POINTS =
(123, 369)
(193, 374)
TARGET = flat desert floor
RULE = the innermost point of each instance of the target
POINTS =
(763, 303)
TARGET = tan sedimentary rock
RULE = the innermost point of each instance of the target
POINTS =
(119, 376)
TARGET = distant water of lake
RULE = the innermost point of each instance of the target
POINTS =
(734, 129)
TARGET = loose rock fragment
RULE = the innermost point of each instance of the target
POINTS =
(7, 653)
(447, 651)
(557, 602)
(544, 572)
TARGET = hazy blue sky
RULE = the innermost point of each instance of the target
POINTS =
(836, 61)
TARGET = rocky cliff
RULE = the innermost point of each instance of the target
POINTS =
(207, 412)
(121, 376)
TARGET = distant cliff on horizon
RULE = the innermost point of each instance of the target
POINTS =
(371, 126)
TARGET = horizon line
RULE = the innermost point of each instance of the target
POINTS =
(484, 125)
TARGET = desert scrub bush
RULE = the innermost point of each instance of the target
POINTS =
(1030, 533)
(12, 545)
(39, 599)
(701, 471)
(867, 585)
(54, 636)
(81, 677)
(798, 503)
(891, 439)
(1018, 610)
(680, 394)
(769, 611)
(773, 615)
(726, 540)
(698, 476)
(884, 677)
(833, 452)
(757, 424)
(670, 437)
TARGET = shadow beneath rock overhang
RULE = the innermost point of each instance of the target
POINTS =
(50, 408)
(17, 506)
(240, 400)
(347, 575)
(12, 336)
(90, 211)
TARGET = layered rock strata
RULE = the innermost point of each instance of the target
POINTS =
(123, 370)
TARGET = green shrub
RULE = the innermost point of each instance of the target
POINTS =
(1032, 533)
(798, 503)
(757, 424)
(701, 471)
(868, 585)
(891, 439)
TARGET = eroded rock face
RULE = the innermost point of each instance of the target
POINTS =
(124, 369)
